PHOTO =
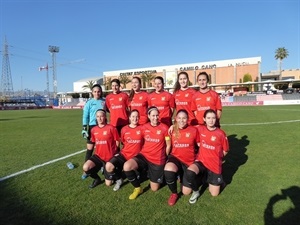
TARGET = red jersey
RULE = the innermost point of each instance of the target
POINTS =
(212, 145)
(164, 101)
(204, 101)
(132, 141)
(183, 146)
(154, 148)
(117, 106)
(105, 141)
(183, 100)
(140, 103)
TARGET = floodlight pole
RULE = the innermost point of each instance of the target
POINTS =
(53, 50)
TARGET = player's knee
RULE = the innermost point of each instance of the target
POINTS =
(109, 167)
(190, 176)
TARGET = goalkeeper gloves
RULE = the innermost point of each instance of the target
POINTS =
(84, 132)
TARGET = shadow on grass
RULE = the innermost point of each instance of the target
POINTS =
(291, 216)
(235, 157)
(16, 209)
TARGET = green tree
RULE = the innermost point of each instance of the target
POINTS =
(124, 79)
(147, 78)
(89, 84)
(281, 54)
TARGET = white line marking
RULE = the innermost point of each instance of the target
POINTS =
(263, 123)
(40, 165)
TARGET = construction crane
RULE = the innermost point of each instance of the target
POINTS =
(54, 81)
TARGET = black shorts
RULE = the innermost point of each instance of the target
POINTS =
(211, 177)
(118, 161)
(88, 140)
(100, 163)
(181, 169)
(155, 172)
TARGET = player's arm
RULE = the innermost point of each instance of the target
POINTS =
(219, 114)
(168, 143)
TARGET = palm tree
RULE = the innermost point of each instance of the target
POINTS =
(147, 78)
(89, 85)
(280, 54)
(124, 79)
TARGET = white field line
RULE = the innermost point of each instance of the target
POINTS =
(76, 153)
(40, 165)
(263, 123)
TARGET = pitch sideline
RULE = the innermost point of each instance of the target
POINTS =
(40, 165)
(76, 153)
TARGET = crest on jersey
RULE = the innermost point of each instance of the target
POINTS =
(187, 95)
(163, 98)
(213, 138)
(138, 132)
(208, 99)
(187, 135)
(141, 97)
(105, 132)
(120, 99)
(158, 132)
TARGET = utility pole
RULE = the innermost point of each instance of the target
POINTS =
(6, 79)
(53, 50)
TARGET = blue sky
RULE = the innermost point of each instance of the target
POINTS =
(115, 35)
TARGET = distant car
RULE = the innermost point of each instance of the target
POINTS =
(289, 91)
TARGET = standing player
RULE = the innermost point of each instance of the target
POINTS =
(213, 147)
(163, 100)
(89, 118)
(184, 139)
(183, 96)
(138, 99)
(206, 99)
(152, 157)
(117, 105)
(131, 137)
(106, 140)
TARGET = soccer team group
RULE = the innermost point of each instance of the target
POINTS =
(188, 152)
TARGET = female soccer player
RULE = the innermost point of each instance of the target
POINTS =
(152, 157)
(213, 147)
(205, 99)
(89, 117)
(163, 100)
(184, 139)
(117, 105)
(106, 140)
(138, 99)
(183, 96)
(131, 137)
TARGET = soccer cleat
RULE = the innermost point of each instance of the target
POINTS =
(194, 197)
(136, 192)
(95, 183)
(118, 184)
(172, 199)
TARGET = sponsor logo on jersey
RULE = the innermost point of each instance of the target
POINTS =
(180, 145)
(199, 108)
(98, 142)
(132, 141)
(116, 106)
(207, 146)
(149, 139)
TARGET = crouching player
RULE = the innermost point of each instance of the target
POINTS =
(106, 140)
(213, 147)
(131, 138)
(184, 140)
